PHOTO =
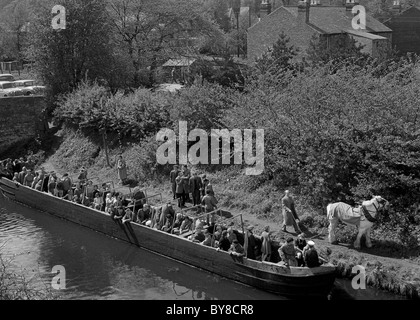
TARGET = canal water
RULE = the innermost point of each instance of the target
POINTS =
(100, 267)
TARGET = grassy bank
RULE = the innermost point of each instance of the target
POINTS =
(389, 266)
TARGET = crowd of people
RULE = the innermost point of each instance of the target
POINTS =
(186, 187)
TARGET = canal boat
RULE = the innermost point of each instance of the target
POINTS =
(268, 276)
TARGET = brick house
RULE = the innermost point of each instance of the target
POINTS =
(405, 27)
(300, 22)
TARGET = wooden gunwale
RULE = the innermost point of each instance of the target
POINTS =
(263, 275)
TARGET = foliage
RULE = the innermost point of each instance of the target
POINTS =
(335, 49)
(16, 285)
(223, 71)
(64, 58)
(92, 108)
(150, 32)
(334, 143)
(15, 17)
(279, 57)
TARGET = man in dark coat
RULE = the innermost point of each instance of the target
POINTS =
(195, 186)
(310, 255)
(138, 198)
(172, 175)
(289, 212)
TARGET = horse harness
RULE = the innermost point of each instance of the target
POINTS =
(367, 214)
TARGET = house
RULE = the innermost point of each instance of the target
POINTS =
(300, 22)
(405, 27)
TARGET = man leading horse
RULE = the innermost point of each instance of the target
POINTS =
(362, 217)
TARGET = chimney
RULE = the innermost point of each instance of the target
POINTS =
(303, 9)
(350, 4)
(396, 6)
(265, 8)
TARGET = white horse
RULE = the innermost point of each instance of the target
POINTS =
(362, 217)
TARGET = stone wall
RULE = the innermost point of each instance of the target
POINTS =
(21, 119)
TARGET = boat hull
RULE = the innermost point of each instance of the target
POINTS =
(290, 282)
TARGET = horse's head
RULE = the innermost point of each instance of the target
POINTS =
(380, 203)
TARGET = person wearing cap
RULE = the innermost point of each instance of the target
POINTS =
(195, 187)
(310, 255)
(300, 244)
(236, 249)
(172, 176)
(288, 253)
(289, 212)
(67, 184)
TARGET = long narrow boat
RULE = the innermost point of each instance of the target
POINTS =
(290, 282)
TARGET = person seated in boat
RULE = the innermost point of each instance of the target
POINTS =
(108, 201)
(224, 243)
(251, 252)
(288, 253)
(29, 178)
(117, 213)
(300, 244)
(52, 186)
(38, 185)
(97, 202)
(67, 184)
(231, 235)
(128, 216)
(16, 177)
(186, 225)
(266, 244)
(236, 249)
(198, 235)
(22, 175)
(95, 191)
(167, 227)
(207, 238)
(177, 224)
(310, 255)
(138, 198)
(77, 199)
(217, 234)
(90, 189)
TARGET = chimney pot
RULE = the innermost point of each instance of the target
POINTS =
(303, 6)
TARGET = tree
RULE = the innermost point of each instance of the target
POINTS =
(81, 51)
(15, 18)
(279, 57)
(334, 49)
(153, 31)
